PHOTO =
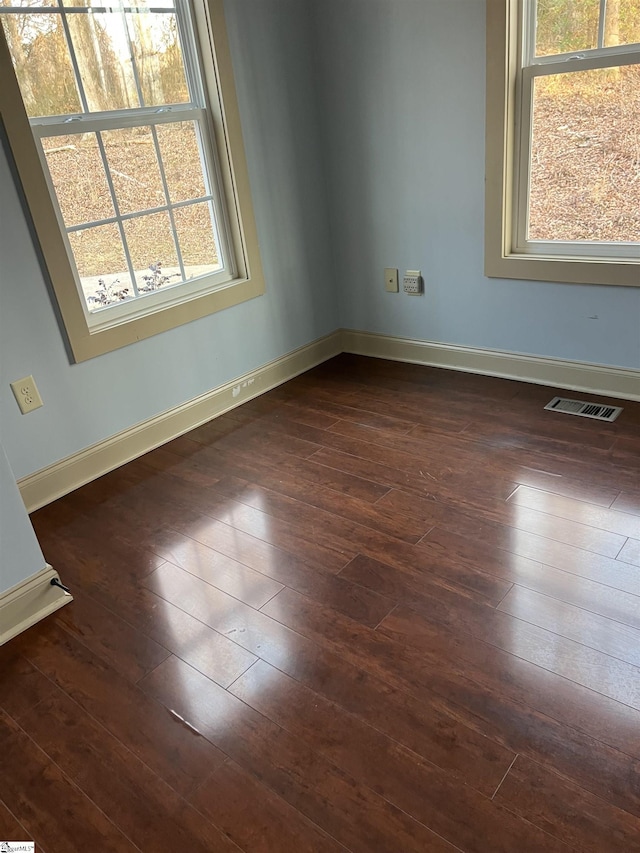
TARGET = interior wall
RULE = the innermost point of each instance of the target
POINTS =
(272, 48)
(20, 554)
(403, 99)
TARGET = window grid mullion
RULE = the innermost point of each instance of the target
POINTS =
(601, 23)
(74, 58)
(80, 10)
(188, 45)
(528, 31)
(115, 120)
(116, 208)
(109, 220)
(523, 159)
(163, 178)
(134, 65)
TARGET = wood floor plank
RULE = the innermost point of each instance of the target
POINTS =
(574, 661)
(341, 734)
(218, 657)
(465, 489)
(22, 686)
(303, 470)
(374, 420)
(612, 520)
(351, 599)
(285, 534)
(585, 822)
(157, 738)
(420, 590)
(630, 553)
(568, 558)
(556, 583)
(352, 814)
(197, 597)
(549, 437)
(256, 818)
(581, 489)
(267, 494)
(219, 570)
(381, 607)
(495, 687)
(427, 726)
(145, 809)
(628, 501)
(612, 638)
(11, 829)
(513, 516)
(345, 535)
(292, 483)
(129, 651)
(400, 776)
(52, 809)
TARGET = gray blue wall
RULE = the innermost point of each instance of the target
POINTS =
(403, 99)
(20, 554)
(272, 47)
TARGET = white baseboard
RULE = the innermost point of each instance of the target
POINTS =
(54, 481)
(62, 477)
(619, 382)
(28, 602)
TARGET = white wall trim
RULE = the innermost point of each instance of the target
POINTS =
(580, 376)
(28, 602)
(54, 481)
(60, 478)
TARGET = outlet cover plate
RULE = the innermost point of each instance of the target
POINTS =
(412, 282)
(391, 280)
(26, 394)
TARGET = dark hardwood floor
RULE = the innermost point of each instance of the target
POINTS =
(382, 609)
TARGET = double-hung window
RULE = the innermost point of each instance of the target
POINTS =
(563, 140)
(135, 143)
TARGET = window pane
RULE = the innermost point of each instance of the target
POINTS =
(102, 50)
(158, 56)
(153, 251)
(113, 4)
(37, 44)
(77, 173)
(585, 161)
(196, 238)
(622, 22)
(134, 169)
(181, 160)
(566, 25)
(101, 264)
(25, 4)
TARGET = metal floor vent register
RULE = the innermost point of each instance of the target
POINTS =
(584, 410)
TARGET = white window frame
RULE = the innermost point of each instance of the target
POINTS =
(94, 333)
(508, 133)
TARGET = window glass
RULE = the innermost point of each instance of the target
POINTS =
(585, 164)
(153, 251)
(38, 44)
(134, 169)
(158, 58)
(78, 176)
(102, 265)
(563, 26)
(196, 232)
(622, 22)
(182, 159)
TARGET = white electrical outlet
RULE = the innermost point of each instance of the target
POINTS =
(391, 280)
(412, 282)
(26, 394)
